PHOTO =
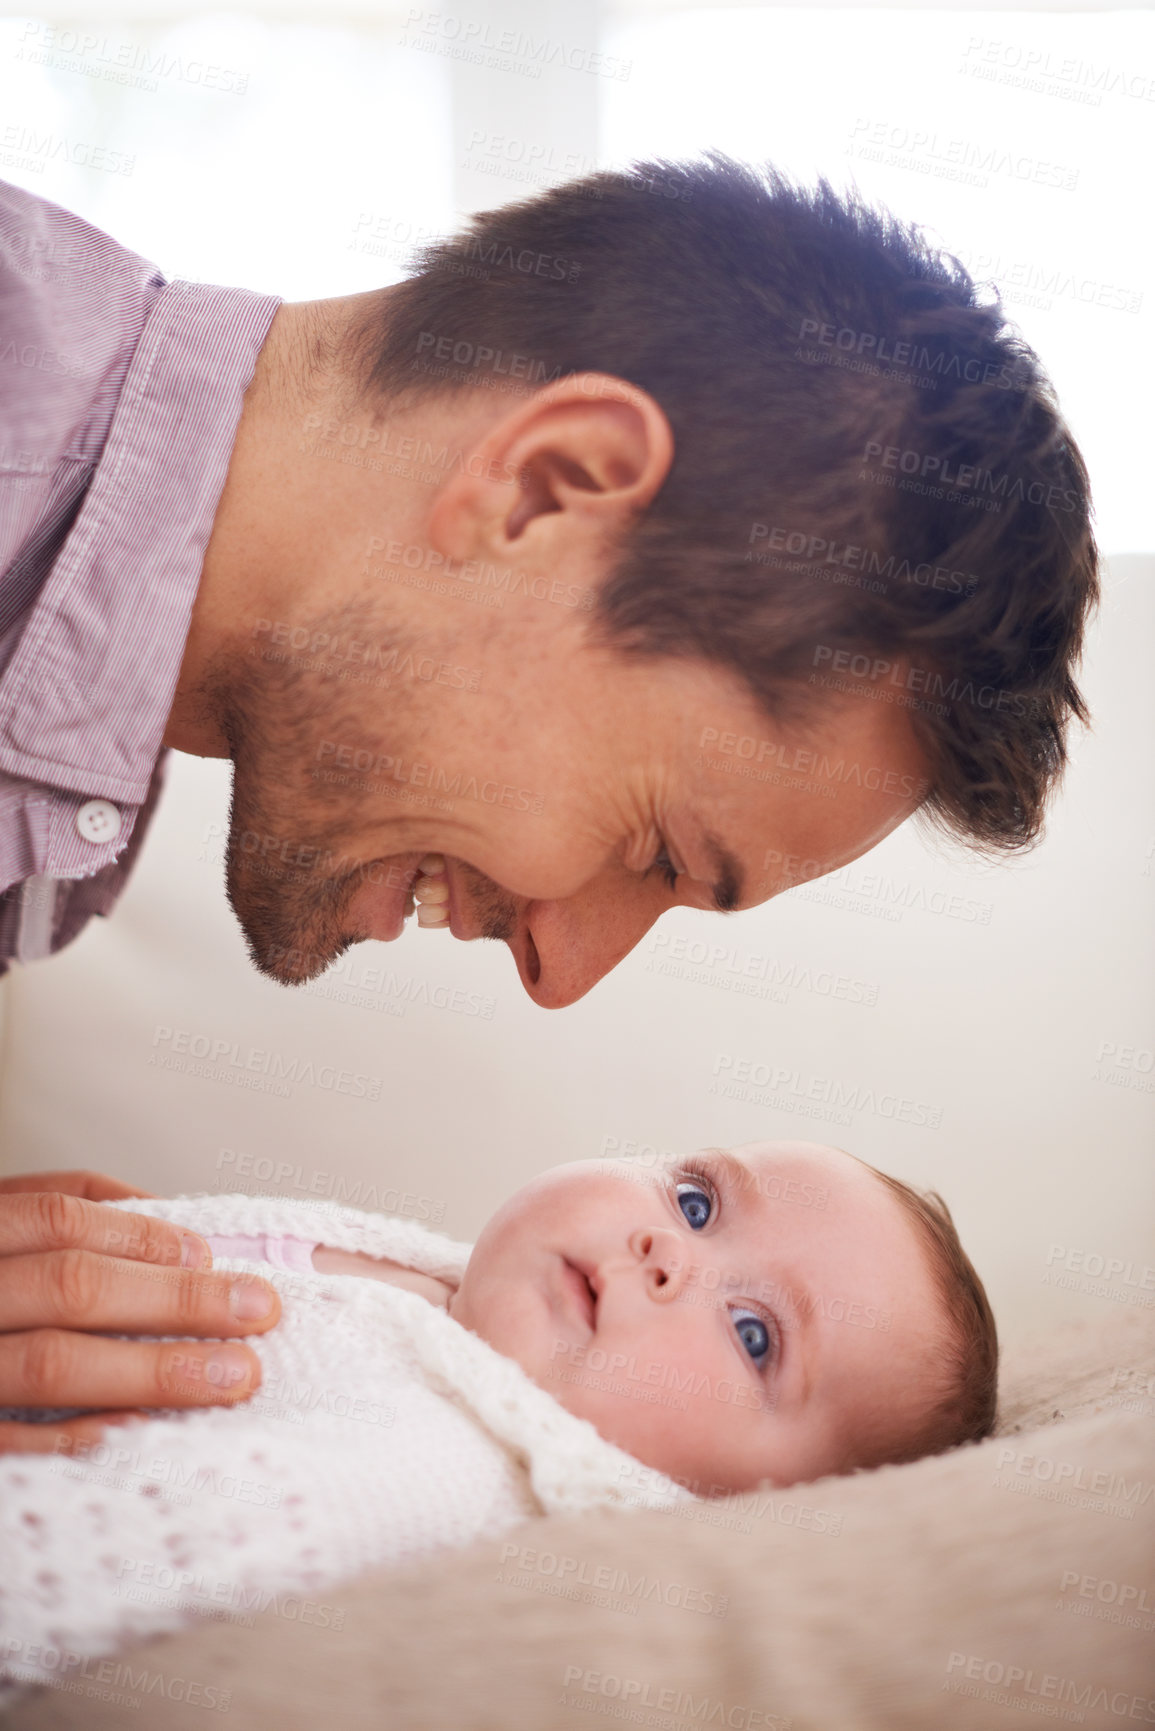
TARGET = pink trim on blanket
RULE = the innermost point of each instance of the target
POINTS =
(294, 1255)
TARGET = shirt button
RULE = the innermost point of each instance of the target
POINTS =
(98, 820)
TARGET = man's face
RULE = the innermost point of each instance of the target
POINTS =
(637, 786)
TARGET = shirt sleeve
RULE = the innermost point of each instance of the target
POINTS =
(73, 302)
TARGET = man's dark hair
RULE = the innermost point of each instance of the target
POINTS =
(872, 491)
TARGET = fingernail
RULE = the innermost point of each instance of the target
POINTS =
(194, 1252)
(228, 1367)
(249, 1300)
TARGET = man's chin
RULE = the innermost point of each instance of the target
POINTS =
(290, 966)
(290, 958)
(288, 944)
(293, 941)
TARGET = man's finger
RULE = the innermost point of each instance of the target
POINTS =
(31, 1221)
(96, 1186)
(74, 1436)
(50, 1367)
(79, 1290)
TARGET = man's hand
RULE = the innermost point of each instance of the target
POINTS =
(69, 1268)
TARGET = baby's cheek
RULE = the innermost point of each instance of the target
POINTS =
(495, 1315)
(673, 1435)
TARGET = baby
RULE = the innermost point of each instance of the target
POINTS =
(802, 1313)
(617, 1336)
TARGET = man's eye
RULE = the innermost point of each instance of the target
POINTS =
(753, 1334)
(666, 866)
(696, 1204)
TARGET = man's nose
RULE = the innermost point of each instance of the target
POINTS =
(663, 1258)
(563, 948)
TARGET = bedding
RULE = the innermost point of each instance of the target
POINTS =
(1001, 1583)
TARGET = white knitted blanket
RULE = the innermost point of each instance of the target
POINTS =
(383, 1431)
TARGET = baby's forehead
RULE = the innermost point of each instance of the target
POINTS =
(814, 1160)
(807, 1170)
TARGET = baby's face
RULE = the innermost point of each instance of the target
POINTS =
(727, 1319)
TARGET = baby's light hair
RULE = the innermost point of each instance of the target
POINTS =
(965, 1411)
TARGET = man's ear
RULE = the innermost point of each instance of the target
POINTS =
(592, 446)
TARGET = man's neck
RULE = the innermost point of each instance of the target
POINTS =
(273, 524)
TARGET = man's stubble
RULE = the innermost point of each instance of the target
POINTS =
(291, 872)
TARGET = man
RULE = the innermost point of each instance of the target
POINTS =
(638, 551)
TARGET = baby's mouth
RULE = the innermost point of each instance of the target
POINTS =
(583, 1290)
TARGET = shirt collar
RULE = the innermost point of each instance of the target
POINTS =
(86, 695)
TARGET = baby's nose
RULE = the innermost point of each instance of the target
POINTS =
(663, 1261)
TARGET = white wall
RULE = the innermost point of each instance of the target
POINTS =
(988, 1015)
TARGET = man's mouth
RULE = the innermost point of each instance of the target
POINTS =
(449, 893)
(445, 898)
(446, 893)
(431, 892)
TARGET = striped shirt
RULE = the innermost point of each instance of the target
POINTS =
(120, 397)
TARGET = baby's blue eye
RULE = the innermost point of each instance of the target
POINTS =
(695, 1204)
(753, 1333)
